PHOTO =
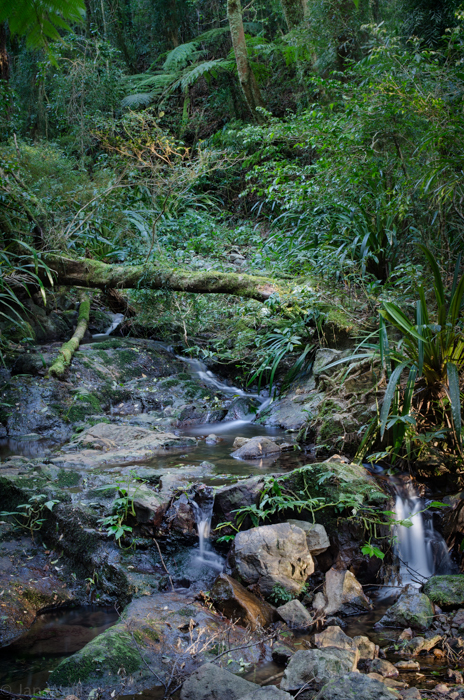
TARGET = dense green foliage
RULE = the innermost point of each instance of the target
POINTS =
(126, 137)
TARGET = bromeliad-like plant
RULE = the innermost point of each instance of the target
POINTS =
(432, 349)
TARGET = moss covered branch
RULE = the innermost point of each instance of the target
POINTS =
(97, 275)
(68, 349)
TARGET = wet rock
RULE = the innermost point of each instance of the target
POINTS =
(229, 498)
(212, 439)
(320, 601)
(390, 682)
(239, 442)
(318, 665)
(282, 654)
(270, 555)
(316, 536)
(406, 634)
(295, 615)
(344, 593)
(180, 518)
(441, 688)
(355, 685)
(454, 676)
(333, 636)
(269, 693)
(112, 443)
(240, 409)
(384, 668)
(413, 647)
(257, 448)
(408, 665)
(367, 650)
(412, 609)
(239, 605)
(210, 682)
(165, 625)
(411, 694)
(447, 591)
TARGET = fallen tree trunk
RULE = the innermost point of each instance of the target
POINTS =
(97, 275)
(68, 349)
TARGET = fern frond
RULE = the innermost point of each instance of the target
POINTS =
(207, 69)
(142, 99)
(178, 57)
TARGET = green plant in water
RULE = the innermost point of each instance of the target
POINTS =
(31, 515)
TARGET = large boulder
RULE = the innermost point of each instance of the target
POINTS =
(257, 448)
(355, 685)
(239, 605)
(210, 682)
(316, 536)
(271, 692)
(333, 636)
(295, 615)
(318, 666)
(412, 609)
(446, 591)
(272, 555)
(344, 593)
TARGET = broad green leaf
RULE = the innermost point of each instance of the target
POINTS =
(389, 394)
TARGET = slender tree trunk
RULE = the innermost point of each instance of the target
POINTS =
(245, 74)
(4, 62)
(294, 11)
(97, 275)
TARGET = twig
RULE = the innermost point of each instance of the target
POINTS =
(162, 562)
(245, 646)
(143, 659)
(305, 686)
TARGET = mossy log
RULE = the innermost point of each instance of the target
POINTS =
(68, 349)
(97, 275)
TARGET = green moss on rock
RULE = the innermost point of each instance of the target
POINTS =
(100, 660)
(446, 591)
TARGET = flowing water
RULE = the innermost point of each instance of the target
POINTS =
(421, 550)
(203, 503)
(117, 320)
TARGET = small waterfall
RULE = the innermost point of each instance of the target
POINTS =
(420, 549)
(200, 369)
(202, 504)
(117, 320)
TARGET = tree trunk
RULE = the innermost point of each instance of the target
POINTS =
(97, 275)
(293, 12)
(68, 349)
(245, 74)
(4, 62)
